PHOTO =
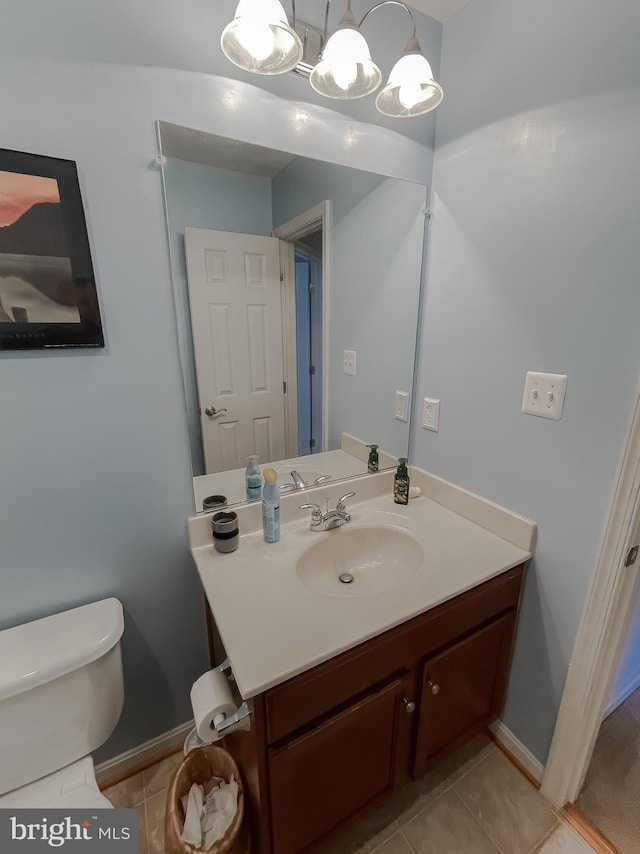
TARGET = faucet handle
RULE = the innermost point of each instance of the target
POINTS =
(341, 506)
(315, 509)
(316, 514)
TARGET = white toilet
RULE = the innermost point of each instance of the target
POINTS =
(61, 695)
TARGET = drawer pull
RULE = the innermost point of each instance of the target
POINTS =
(435, 688)
(409, 705)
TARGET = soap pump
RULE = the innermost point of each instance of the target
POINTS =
(253, 478)
(401, 483)
(373, 463)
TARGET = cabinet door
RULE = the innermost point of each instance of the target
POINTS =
(327, 775)
(462, 689)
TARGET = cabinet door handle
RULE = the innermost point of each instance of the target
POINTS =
(435, 688)
(409, 705)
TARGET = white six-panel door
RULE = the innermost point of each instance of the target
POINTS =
(234, 293)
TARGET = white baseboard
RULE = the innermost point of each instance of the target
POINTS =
(517, 749)
(116, 769)
(626, 691)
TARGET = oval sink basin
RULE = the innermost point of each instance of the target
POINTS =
(359, 561)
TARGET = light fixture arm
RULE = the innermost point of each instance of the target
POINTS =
(386, 3)
(326, 22)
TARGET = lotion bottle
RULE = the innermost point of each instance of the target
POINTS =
(253, 478)
(271, 507)
(401, 483)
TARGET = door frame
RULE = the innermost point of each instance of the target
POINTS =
(319, 216)
(600, 634)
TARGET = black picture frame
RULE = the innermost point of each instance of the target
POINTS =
(48, 296)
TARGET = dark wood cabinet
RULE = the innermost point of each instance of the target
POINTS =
(326, 776)
(461, 689)
(333, 742)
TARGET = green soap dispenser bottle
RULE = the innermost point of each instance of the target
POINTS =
(401, 483)
(373, 464)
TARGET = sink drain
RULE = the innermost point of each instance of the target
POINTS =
(346, 578)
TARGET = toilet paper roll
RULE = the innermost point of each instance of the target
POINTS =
(212, 701)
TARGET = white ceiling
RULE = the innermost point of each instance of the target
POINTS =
(438, 9)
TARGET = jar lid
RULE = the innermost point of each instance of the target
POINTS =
(214, 502)
(224, 522)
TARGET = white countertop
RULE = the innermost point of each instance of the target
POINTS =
(274, 627)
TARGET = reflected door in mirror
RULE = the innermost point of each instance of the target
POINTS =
(234, 295)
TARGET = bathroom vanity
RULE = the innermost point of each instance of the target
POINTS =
(353, 693)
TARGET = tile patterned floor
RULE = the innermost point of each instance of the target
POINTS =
(609, 797)
(474, 802)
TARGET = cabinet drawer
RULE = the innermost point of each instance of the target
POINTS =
(321, 779)
(317, 692)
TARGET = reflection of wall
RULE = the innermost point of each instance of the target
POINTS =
(534, 259)
(376, 254)
(206, 197)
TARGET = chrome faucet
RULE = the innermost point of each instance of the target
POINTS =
(300, 483)
(298, 480)
(331, 518)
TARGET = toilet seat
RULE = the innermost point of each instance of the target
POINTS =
(72, 786)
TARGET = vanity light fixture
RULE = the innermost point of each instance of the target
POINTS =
(261, 40)
(345, 69)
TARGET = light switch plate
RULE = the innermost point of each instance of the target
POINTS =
(402, 405)
(350, 363)
(431, 414)
(544, 394)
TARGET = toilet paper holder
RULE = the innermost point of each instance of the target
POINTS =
(243, 711)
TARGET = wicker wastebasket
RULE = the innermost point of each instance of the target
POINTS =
(199, 766)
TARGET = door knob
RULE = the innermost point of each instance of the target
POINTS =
(435, 688)
(211, 411)
(409, 705)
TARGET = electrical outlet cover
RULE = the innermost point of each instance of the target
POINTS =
(544, 394)
(431, 414)
(402, 405)
(350, 363)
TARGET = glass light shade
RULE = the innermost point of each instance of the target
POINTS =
(346, 70)
(259, 39)
(411, 89)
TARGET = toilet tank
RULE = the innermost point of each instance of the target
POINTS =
(61, 690)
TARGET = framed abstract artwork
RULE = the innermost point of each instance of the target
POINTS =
(48, 296)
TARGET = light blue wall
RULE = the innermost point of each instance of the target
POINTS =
(209, 197)
(95, 481)
(534, 262)
(206, 197)
(376, 241)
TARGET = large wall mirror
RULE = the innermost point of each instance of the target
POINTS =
(297, 286)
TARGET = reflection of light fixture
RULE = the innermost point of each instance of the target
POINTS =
(260, 39)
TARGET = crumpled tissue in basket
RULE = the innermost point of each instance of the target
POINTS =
(209, 810)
